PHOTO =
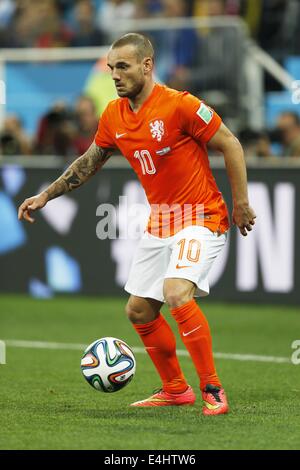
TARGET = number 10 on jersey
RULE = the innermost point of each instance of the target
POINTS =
(146, 162)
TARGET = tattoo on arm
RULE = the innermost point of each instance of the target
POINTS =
(80, 171)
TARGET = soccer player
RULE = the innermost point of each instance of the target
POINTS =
(164, 135)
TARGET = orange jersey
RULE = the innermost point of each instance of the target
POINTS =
(165, 143)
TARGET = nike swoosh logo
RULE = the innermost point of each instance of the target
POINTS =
(190, 332)
(154, 400)
(120, 135)
(182, 267)
(210, 406)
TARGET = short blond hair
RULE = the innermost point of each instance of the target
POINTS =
(142, 44)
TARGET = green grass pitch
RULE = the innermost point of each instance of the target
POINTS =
(46, 404)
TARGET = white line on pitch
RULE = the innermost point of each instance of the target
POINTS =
(81, 347)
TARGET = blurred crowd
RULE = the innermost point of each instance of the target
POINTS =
(67, 23)
(282, 141)
(61, 131)
(274, 24)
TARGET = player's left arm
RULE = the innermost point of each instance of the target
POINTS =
(225, 142)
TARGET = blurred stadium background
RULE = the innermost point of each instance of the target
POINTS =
(243, 58)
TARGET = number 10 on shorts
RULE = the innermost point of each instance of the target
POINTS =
(190, 250)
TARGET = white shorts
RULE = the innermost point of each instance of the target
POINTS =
(187, 255)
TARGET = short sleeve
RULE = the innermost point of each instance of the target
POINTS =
(104, 136)
(197, 119)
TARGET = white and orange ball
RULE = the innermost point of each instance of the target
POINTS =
(108, 364)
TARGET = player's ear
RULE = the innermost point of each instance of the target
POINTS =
(147, 64)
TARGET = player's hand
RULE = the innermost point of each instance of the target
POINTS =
(244, 217)
(32, 204)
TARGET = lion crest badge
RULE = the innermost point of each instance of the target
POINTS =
(157, 129)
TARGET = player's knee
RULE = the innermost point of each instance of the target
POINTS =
(177, 294)
(177, 297)
(134, 313)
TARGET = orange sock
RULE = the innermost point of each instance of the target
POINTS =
(160, 344)
(195, 334)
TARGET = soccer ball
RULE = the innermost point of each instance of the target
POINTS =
(108, 364)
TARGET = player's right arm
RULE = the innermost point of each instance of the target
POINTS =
(80, 171)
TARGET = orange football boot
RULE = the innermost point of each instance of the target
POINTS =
(162, 398)
(215, 401)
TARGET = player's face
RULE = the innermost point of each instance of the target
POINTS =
(127, 71)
